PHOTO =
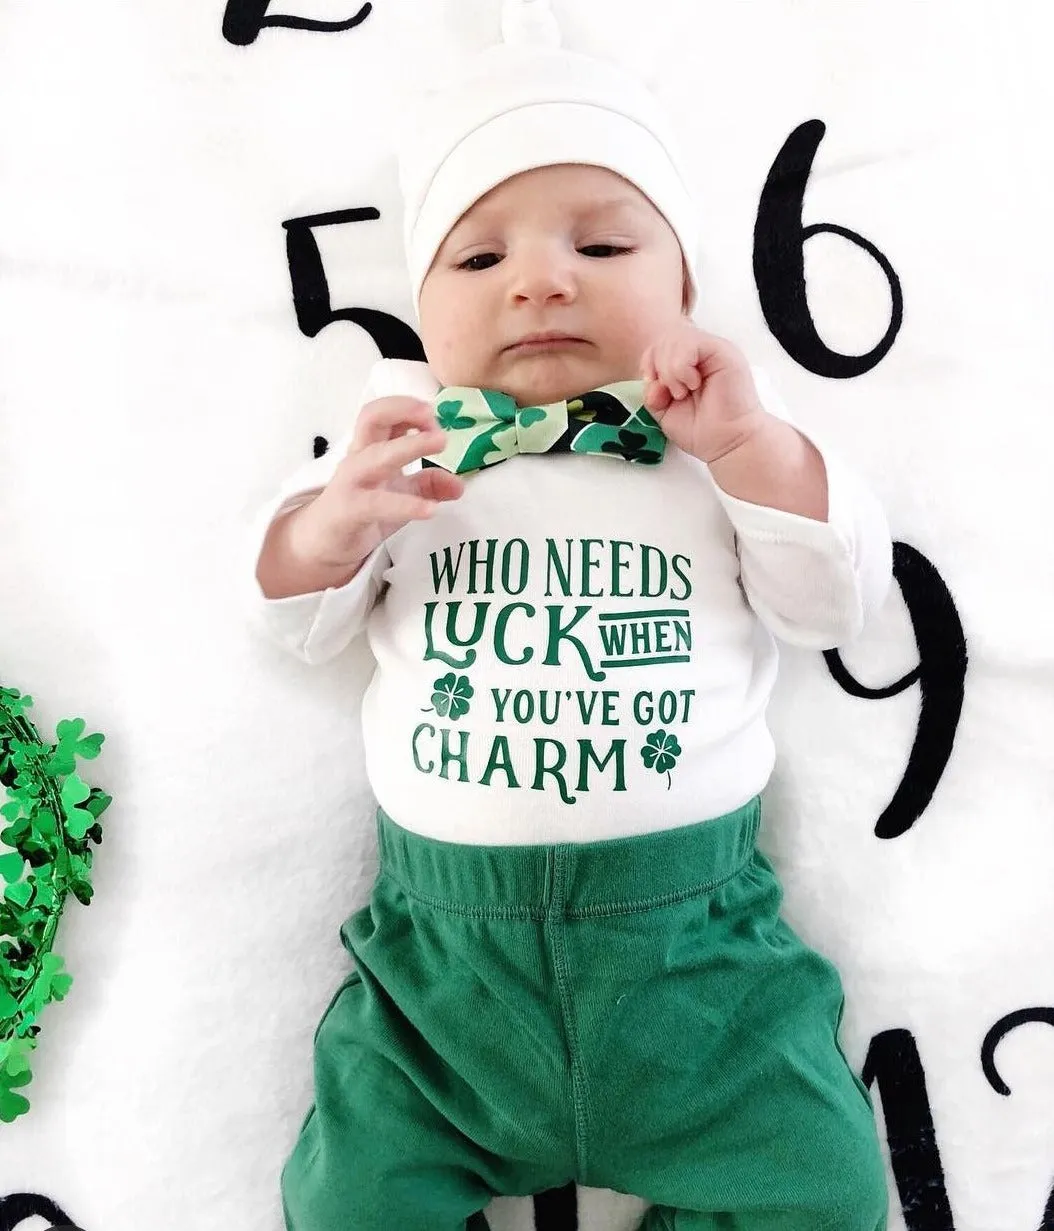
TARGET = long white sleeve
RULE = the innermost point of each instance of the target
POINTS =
(318, 625)
(812, 583)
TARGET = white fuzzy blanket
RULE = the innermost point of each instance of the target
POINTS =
(188, 202)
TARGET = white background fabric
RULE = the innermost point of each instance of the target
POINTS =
(154, 386)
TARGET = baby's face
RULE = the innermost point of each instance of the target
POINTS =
(568, 249)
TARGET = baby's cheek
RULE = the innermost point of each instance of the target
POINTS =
(450, 359)
(632, 336)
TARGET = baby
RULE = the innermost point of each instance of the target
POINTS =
(570, 537)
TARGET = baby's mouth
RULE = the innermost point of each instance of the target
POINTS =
(545, 342)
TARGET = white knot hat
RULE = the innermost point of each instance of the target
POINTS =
(528, 103)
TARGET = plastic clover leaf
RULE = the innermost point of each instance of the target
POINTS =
(78, 820)
(14, 1072)
(633, 447)
(451, 696)
(52, 983)
(660, 752)
(48, 817)
(449, 419)
(72, 744)
(12, 865)
(14, 702)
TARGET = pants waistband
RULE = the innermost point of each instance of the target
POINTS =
(612, 876)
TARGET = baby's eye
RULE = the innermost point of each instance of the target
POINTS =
(480, 256)
(602, 250)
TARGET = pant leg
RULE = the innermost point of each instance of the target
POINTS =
(438, 1079)
(374, 1152)
(723, 1095)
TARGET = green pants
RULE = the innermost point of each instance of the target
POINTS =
(630, 1014)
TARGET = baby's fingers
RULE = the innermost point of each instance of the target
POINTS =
(433, 483)
(384, 418)
(383, 461)
(677, 370)
(430, 483)
(657, 396)
(689, 372)
(392, 508)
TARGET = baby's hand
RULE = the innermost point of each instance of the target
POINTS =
(368, 497)
(700, 390)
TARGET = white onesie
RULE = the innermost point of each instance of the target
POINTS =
(580, 647)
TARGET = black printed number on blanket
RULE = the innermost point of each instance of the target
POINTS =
(19, 1208)
(941, 676)
(779, 263)
(243, 20)
(311, 302)
(314, 311)
(893, 1064)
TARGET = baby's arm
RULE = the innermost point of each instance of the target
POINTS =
(320, 553)
(814, 581)
(323, 542)
(704, 395)
(814, 548)
(298, 607)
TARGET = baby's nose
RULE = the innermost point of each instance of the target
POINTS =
(544, 278)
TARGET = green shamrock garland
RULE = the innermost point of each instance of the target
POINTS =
(49, 819)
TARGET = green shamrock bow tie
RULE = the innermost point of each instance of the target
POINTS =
(485, 427)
